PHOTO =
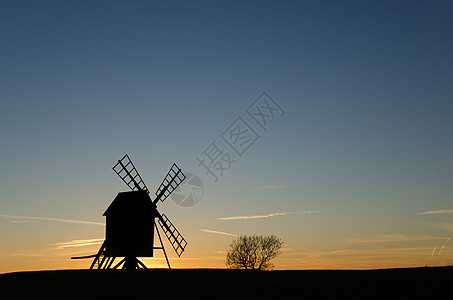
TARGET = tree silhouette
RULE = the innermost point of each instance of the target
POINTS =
(253, 252)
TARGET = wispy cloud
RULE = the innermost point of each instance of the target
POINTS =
(218, 232)
(23, 221)
(380, 256)
(24, 254)
(443, 245)
(256, 216)
(286, 249)
(269, 187)
(442, 226)
(439, 251)
(267, 215)
(306, 212)
(31, 218)
(77, 243)
(432, 254)
(394, 238)
(435, 212)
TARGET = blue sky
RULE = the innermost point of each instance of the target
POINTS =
(364, 144)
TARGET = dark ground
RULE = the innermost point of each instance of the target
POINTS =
(228, 284)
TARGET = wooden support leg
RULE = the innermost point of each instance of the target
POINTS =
(119, 264)
(162, 244)
(141, 264)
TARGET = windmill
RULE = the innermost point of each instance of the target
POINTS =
(131, 220)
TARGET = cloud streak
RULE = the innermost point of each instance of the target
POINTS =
(442, 226)
(266, 215)
(77, 243)
(306, 212)
(443, 245)
(394, 238)
(218, 232)
(255, 216)
(31, 218)
(435, 212)
(432, 254)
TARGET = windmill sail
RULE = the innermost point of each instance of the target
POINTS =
(126, 170)
(171, 181)
(176, 239)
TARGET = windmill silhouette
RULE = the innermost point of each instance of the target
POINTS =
(130, 221)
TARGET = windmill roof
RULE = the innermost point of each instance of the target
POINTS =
(130, 203)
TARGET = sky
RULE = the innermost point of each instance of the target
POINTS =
(325, 123)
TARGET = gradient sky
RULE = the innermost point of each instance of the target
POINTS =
(357, 172)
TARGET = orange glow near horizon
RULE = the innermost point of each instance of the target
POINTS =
(207, 249)
(288, 260)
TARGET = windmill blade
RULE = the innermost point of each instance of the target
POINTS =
(129, 174)
(174, 237)
(171, 181)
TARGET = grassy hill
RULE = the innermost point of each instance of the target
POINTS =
(227, 284)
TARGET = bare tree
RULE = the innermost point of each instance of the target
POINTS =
(253, 252)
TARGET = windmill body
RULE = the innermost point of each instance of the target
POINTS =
(131, 221)
(129, 227)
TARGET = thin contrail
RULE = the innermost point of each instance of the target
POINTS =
(77, 243)
(255, 216)
(443, 246)
(218, 232)
(268, 215)
(432, 254)
(435, 212)
(53, 220)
